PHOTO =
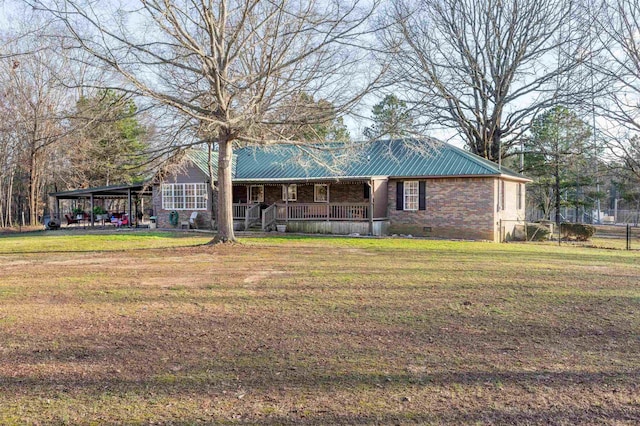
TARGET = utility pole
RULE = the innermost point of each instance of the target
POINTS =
(521, 155)
(593, 128)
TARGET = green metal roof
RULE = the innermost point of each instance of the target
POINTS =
(200, 159)
(393, 158)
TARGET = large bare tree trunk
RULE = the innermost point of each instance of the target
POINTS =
(225, 191)
(212, 186)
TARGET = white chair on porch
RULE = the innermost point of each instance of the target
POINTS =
(193, 220)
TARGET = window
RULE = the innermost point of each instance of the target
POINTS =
(411, 192)
(201, 197)
(184, 196)
(293, 192)
(256, 194)
(519, 197)
(320, 193)
(500, 195)
(189, 197)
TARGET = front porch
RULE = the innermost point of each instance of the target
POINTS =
(328, 218)
(345, 207)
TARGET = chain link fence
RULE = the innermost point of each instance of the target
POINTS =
(614, 236)
(621, 236)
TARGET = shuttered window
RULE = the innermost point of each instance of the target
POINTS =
(411, 195)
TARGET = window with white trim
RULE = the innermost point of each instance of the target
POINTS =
(292, 192)
(184, 196)
(320, 193)
(256, 194)
(411, 195)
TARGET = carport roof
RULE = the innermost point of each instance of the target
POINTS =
(111, 191)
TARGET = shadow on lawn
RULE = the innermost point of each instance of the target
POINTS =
(281, 369)
(265, 386)
(507, 416)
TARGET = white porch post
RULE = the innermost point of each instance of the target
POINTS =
(371, 204)
(286, 205)
(328, 200)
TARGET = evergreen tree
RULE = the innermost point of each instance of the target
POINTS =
(557, 157)
(391, 119)
(325, 127)
(111, 144)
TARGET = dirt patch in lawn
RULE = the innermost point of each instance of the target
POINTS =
(261, 275)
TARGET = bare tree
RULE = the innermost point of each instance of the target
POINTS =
(33, 101)
(234, 68)
(617, 29)
(35, 105)
(484, 68)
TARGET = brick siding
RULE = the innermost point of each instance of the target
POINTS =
(338, 193)
(455, 208)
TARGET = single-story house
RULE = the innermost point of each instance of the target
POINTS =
(386, 187)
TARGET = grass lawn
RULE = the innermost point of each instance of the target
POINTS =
(156, 328)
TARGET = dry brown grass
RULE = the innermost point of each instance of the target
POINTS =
(321, 331)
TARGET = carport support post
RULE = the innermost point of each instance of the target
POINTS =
(91, 207)
(129, 201)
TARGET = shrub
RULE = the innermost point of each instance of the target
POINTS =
(578, 231)
(537, 232)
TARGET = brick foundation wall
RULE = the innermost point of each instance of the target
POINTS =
(455, 208)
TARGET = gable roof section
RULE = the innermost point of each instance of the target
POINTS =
(394, 158)
(200, 159)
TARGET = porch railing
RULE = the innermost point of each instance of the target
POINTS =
(240, 210)
(329, 211)
(269, 217)
(252, 216)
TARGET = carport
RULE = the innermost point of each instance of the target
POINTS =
(132, 193)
